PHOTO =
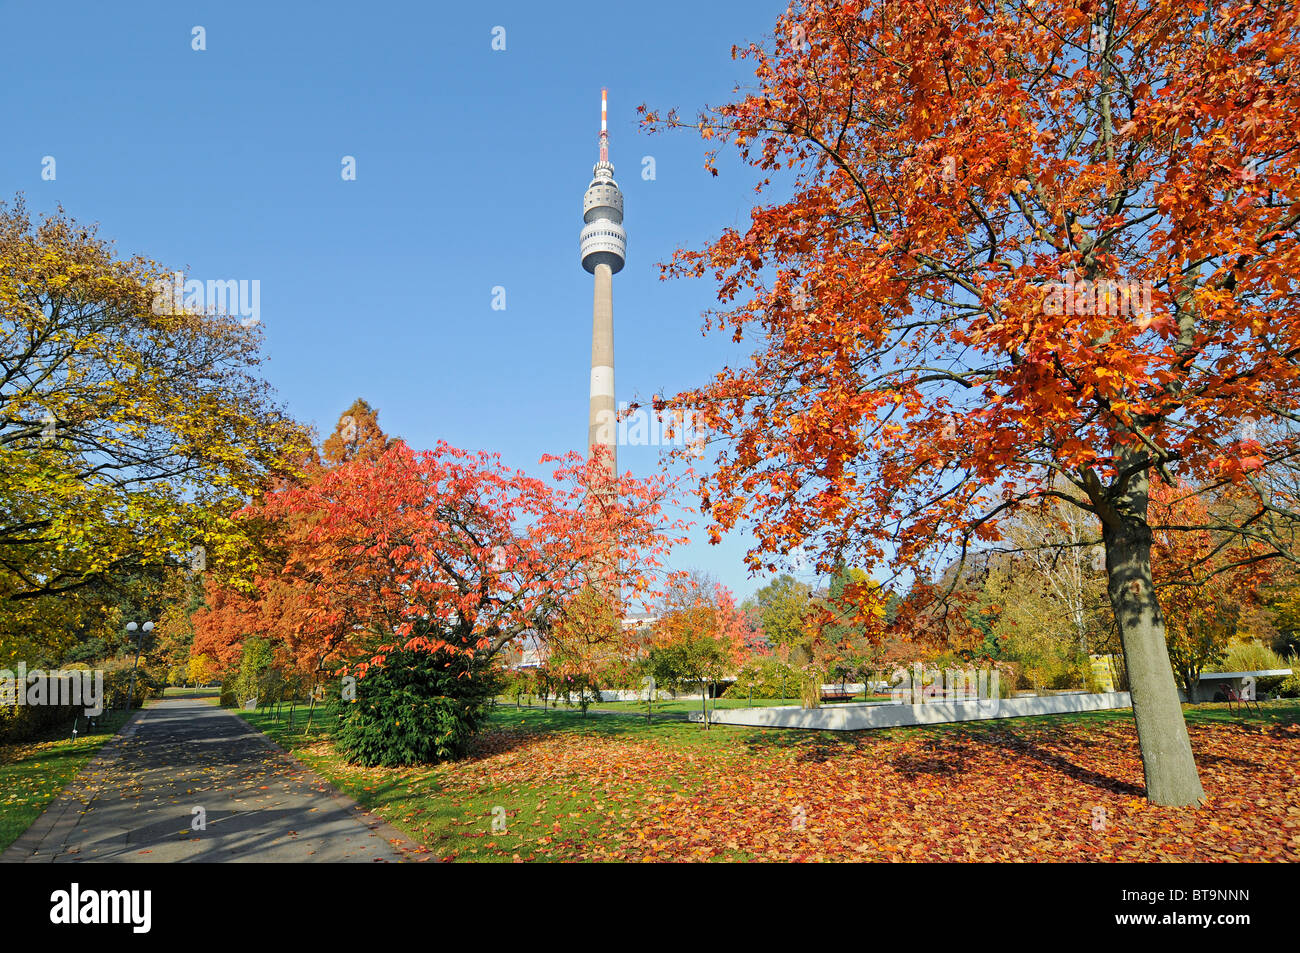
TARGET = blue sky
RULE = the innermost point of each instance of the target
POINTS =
(470, 169)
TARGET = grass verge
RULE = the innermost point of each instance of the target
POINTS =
(33, 773)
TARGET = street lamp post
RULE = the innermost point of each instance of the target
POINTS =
(131, 627)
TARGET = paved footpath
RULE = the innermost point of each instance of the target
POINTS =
(135, 801)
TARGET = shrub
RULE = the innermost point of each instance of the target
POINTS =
(518, 686)
(945, 671)
(417, 708)
(1290, 687)
(37, 722)
(1044, 662)
(581, 689)
(117, 683)
(1253, 656)
(1248, 656)
(228, 697)
(1010, 675)
(45, 719)
(762, 678)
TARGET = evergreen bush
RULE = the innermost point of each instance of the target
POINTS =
(418, 707)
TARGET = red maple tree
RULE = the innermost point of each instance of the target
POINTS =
(444, 550)
(1032, 249)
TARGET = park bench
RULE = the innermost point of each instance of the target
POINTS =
(836, 694)
(1241, 701)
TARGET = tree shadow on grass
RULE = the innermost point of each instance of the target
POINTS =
(936, 759)
(510, 729)
(499, 740)
(807, 745)
(1205, 760)
(1282, 713)
(1018, 746)
(948, 750)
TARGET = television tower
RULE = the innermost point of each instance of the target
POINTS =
(603, 244)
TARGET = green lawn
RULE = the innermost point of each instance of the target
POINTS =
(415, 800)
(210, 696)
(31, 774)
(571, 787)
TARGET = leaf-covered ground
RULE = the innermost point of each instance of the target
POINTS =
(559, 787)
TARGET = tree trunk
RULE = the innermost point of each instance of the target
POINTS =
(315, 681)
(1167, 761)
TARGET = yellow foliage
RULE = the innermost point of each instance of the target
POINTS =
(129, 436)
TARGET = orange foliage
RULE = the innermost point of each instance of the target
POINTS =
(1000, 277)
(441, 550)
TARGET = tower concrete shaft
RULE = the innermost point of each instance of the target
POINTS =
(603, 248)
(602, 425)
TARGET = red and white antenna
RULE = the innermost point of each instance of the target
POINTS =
(604, 126)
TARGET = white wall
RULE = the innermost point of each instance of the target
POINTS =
(638, 695)
(858, 716)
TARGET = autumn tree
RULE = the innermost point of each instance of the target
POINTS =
(781, 609)
(700, 637)
(262, 597)
(1032, 249)
(1043, 603)
(357, 435)
(414, 570)
(1058, 546)
(853, 645)
(1205, 580)
(180, 597)
(128, 431)
(591, 648)
(1035, 629)
(447, 551)
(199, 670)
(1283, 613)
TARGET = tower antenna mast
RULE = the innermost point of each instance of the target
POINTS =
(604, 124)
